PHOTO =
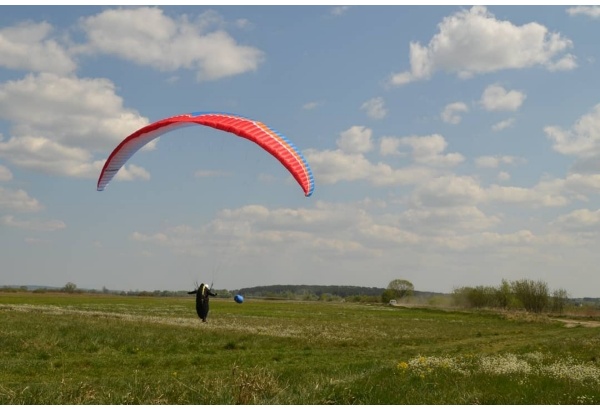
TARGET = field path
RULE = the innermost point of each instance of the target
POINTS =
(578, 323)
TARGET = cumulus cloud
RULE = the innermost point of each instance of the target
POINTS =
(499, 126)
(496, 98)
(492, 240)
(147, 36)
(590, 11)
(448, 191)
(580, 219)
(356, 229)
(5, 174)
(332, 166)
(490, 161)
(389, 146)
(18, 200)
(29, 46)
(355, 140)
(349, 163)
(442, 221)
(473, 42)
(540, 195)
(426, 150)
(582, 140)
(339, 10)
(503, 176)
(463, 190)
(450, 114)
(375, 108)
(256, 229)
(311, 105)
(74, 118)
(580, 184)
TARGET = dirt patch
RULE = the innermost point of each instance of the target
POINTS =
(578, 323)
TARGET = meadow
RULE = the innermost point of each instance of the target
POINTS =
(107, 349)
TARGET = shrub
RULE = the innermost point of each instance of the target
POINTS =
(532, 294)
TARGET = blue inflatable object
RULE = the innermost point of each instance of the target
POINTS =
(239, 299)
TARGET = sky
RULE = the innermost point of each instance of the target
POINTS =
(450, 145)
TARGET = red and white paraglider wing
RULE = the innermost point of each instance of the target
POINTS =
(268, 139)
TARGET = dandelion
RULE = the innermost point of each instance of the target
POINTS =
(402, 366)
(424, 365)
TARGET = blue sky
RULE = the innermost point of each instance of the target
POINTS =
(451, 146)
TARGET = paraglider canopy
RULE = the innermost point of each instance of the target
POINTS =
(268, 139)
(238, 299)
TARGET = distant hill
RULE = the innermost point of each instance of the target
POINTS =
(30, 287)
(318, 290)
(281, 290)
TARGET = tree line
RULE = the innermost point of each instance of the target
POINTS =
(533, 296)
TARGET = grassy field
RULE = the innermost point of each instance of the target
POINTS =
(95, 349)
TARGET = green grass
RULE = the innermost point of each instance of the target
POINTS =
(97, 349)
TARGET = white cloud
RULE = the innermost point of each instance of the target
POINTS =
(355, 140)
(330, 167)
(389, 146)
(463, 190)
(426, 150)
(489, 161)
(33, 225)
(47, 156)
(147, 36)
(590, 11)
(339, 10)
(18, 200)
(73, 118)
(311, 105)
(499, 126)
(5, 174)
(126, 173)
(323, 231)
(28, 46)
(450, 114)
(375, 108)
(581, 140)
(519, 239)
(542, 195)
(580, 219)
(503, 176)
(448, 191)
(580, 184)
(496, 98)
(473, 42)
(350, 164)
(77, 111)
(445, 221)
